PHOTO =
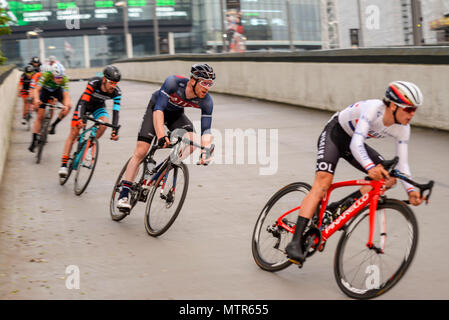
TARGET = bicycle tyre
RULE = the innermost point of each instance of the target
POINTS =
(62, 181)
(149, 225)
(80, 186)
(116, 214)
(281, 261)
(42, 140)
(412, 228)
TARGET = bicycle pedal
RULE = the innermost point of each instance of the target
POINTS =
(299, 264)
(124, 210)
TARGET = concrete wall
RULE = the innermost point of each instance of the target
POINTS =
(8, 98)
(322, 85)
(76, 74)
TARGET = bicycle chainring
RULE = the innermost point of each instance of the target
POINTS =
(312, 241)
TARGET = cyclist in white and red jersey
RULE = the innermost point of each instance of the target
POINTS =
(344, 137)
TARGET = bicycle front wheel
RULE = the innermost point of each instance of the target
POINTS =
(269, 239)
(86, 165)
(365, 273)
(166, 198)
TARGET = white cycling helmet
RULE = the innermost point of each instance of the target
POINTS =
(404, 94)
(57, 70)
(46, 67)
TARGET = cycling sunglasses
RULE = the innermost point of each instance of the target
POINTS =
(409, 109)
(112, 83)
(206, 83)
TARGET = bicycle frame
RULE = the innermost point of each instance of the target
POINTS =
(82, 138)
(371, 198)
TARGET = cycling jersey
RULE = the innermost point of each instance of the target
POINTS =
(364, 120)
(35, 79)
(93, 101)
(25, 83)
(47, 83)
(172, 97)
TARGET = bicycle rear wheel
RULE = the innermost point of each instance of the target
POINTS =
(269, 239)
(86, 165)
(115, 213)
(42, 139)
(62, 181)
(28, 119)
(165, 200)
(365, 273)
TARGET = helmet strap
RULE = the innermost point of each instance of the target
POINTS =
(194, 87)
(394, 115)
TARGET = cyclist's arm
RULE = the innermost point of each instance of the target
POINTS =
(66, 101)
(169, 86)
(206, 123)
(116, 108)
(207, 107)
(402, 153)
(37, 93)
(357, 145)
(84, 100)
(158, 121)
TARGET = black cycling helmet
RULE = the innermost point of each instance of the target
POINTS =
(29, 68)
(35, 60)
(203, 71)
(112, 73)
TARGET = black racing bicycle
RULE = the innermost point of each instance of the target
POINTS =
(163, 187)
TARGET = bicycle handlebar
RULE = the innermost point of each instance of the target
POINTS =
(209, 150)
(102, 122)
(425, 189)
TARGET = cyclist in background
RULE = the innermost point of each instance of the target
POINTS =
(344, 137)
(167, 107)
(24, 90)
(98, 90)
(51, 84)
(36, 63)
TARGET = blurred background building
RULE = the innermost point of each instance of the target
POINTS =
(89, 33)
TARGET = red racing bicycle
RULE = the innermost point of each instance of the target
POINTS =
(378, 243)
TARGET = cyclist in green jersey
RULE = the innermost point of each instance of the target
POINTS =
(52, 84)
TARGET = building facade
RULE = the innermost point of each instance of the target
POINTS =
(86, 33)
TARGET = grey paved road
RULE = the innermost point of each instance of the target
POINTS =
(206, 254)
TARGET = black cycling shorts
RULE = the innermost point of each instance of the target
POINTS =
(172, 119)
(45, 96)
(334, 143)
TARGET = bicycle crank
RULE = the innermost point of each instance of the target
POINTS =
(312, 241)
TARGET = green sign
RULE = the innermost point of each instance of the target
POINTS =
(32, 7)
(165, 2)
(65, 5)
(104, 4)
(137, 3)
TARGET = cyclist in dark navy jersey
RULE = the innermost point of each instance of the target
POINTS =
(167, 106)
